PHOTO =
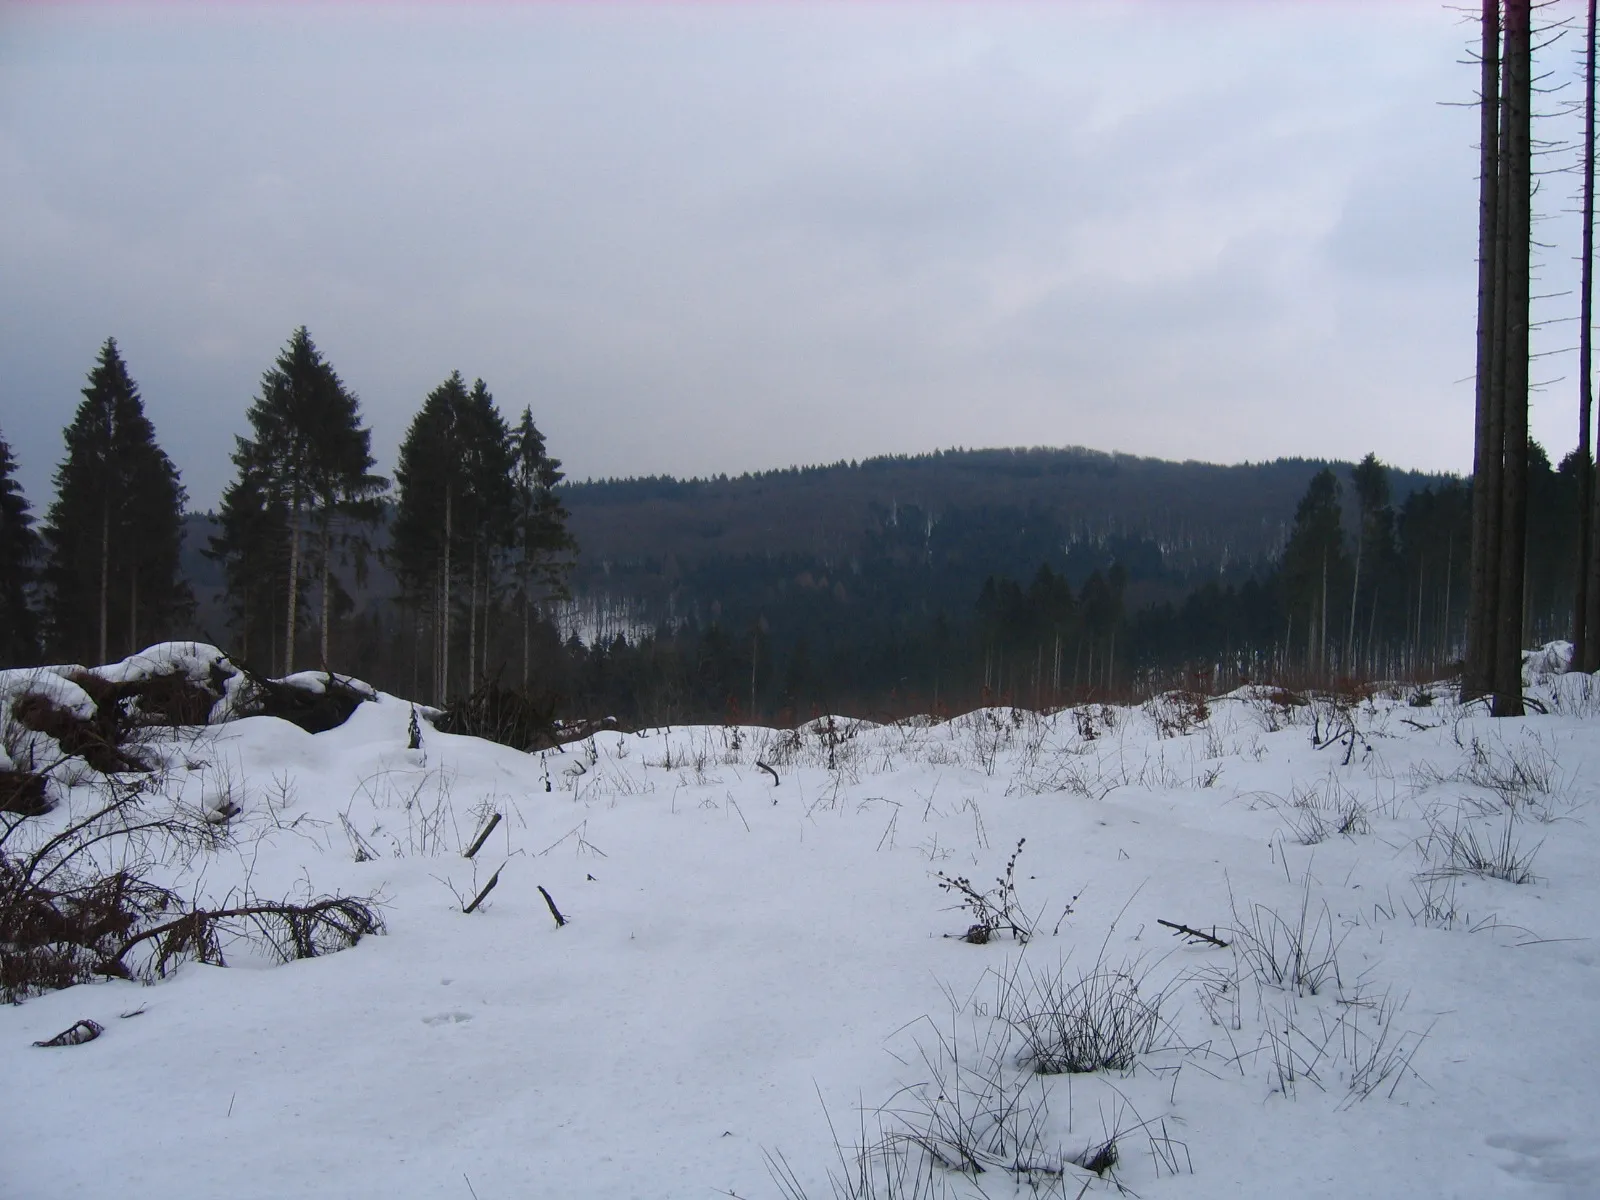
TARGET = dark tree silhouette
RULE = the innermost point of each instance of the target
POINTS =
(20, 550)
(115, 529)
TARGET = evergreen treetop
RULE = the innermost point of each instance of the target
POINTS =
(115, 530)
(20, 549)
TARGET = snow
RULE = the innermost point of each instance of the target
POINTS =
(192, 659)
(745, 961)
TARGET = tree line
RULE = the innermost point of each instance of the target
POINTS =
(478, 535)
(475, 534)
(469, 546)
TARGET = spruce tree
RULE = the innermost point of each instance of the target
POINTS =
(1314, 566)
(488, 509)
(1375, 549)
(454, 519)
(254, 530)
(115, 529)
(305, 478)
(543, 551)
(428, 484)
(19, 563)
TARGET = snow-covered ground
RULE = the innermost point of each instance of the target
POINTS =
(757, 974)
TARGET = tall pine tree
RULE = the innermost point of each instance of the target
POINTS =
(305, 482)
(1314, 568)
(19, 564)
(429, 483)
(455, 521)
(114, 533)
(254, 529)
(543, 552)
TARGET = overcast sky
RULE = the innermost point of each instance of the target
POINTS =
(732, 236)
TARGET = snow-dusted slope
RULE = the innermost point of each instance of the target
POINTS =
(745, 958)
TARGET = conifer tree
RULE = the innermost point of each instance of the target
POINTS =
(1314, 565)
(542, 549)
(254, 529)
(115, 529)
(1375, 549)
(429, 483)
(453, 519)
(305, 476)
(487, 506)
(19, 563)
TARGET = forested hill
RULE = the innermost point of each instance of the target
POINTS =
(945, 578)
(981, 512)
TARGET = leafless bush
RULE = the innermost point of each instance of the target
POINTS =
(77, 901)
(994, 911)
(503, 715)
(972, 1116)
(1575, 694)
(1519, 773)
(1177, 713)
(282, 929)
(23, 793)
(100, 739)
(1101, 1021)
(1455, 847)
(1276, 708)
(1297, 954)
(1317, 813)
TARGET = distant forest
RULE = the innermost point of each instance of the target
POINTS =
(942, 581)
(887, 586)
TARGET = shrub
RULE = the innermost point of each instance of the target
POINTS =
(995, 911)
(509, 717)
(1102, 1021)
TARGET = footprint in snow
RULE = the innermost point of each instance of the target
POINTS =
(449, 1018)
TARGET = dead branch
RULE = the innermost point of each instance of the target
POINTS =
(483, 836)
(487, 888)
(554, 911)
(1193, 935)
(84, 1031)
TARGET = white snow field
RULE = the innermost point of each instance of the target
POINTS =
(759, 976)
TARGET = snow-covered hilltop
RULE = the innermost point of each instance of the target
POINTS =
(1208, 947)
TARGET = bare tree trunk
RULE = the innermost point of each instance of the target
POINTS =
(472, 624)
(1582, 631)
(1355, 592)
(1478, 670)
(1422, 580)
(1514, 516)
(444, 614)
(294, 590)
(1322, 619)
(105, 570)
(527, 617)
(1444, 624)
(133, 606)
(327, 554)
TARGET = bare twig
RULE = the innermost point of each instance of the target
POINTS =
(487, 888)
(1193, 934)
(483, 836)
(554, 911)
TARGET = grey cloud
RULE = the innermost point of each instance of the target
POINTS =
(720, 237)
